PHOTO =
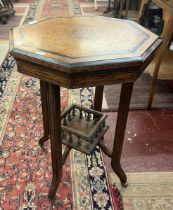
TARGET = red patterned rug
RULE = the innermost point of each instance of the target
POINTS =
(25, 170)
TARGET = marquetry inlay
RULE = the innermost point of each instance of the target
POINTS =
(83, 39)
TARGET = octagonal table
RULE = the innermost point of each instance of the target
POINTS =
(82, 51)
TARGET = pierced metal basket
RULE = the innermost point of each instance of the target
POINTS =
(82, 128)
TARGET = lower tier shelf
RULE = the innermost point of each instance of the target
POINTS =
(82, 128)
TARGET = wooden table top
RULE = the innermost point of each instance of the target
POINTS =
(78, 42)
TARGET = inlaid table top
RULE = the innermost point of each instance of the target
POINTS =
(73, 44)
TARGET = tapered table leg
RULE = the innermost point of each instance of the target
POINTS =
(127, 8)
(45, 111)
(98, 98)
(123, 109)
(120, 15)
(108, 8)
(55, 137)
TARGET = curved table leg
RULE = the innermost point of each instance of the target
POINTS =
(123, 109)
(55, 137)
(45, 111)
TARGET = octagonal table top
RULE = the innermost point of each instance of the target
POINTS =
(82, 41)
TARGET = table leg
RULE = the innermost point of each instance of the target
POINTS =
(55, 137)
(98, 98)
(127, 8)
(115, 7)
(108, 8)
(123, 109)
(121, 9)
(45, 111)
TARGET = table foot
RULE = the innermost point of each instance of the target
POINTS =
(120, 173)
(124, 184)
(41, 143)
(107, 10)
(54, 202)
(53, 188)
(42, 140)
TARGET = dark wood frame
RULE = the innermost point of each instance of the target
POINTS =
(53, 73)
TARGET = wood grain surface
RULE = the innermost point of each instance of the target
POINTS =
(81, 40)
(83, 51)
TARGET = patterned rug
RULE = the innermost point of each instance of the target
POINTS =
(13, 20)
(25, 170)
(147, 191)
